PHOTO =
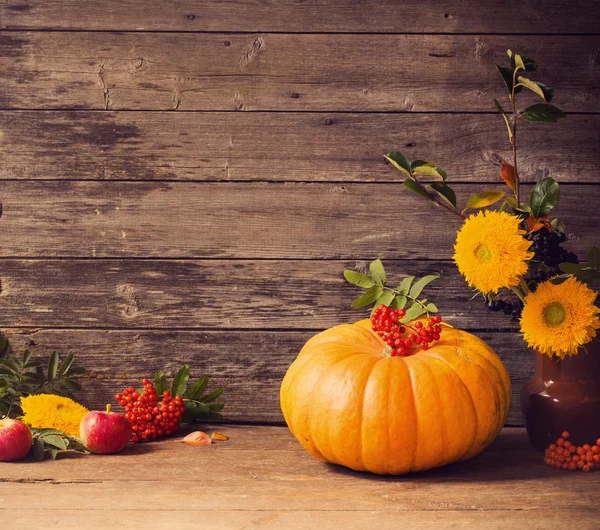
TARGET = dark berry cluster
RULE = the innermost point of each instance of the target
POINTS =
(509, 307)
(401, 338)
(547, 249)
(149, 418)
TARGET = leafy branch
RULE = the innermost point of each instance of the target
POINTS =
(24, 376)
(404, 296)
(198, 403)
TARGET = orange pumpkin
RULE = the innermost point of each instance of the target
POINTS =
(348, 403)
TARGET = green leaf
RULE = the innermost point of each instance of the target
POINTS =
(368, 297)
(507, 76)
(445, 192)
(404, 285)
(399, 161)
(180, 381)
(417, 163)
(542, 90)
(399, 302)
(432, 308)
(415, 311)
(419, 285)
(385, 299)
(506, 120)
(160, 382)
(593, 257)
(529, 64)
(52, 366)
(53, 452)
(378, 272)
(216, 407)
(570, 268)
(483, 199)
(55, 441)
(543, 112)
(4, 346)
(544, 196)
(504, 207)
(38, 449)
(198, 388)
(430, 171)
(212, 396)
(359, 279)
(413, 186)
(66, 364)
(518, 62)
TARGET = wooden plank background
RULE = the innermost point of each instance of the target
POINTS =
(185, 181)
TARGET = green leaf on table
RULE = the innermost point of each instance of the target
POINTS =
(419, 285)
(368, 297)
(506, 120)
(180, 381)
(378, 272)
(544, 196)
(399, 161)
(385, 299)
(53, 451)
(445, 192)
(404, 285)
(54, 441)
(483, 199)
(543, 112)
(359, 279)
(160, 382)
(52, 366)
(38, 449)
(399, 302)
(542, 90)
(415, 311)
(413, 186)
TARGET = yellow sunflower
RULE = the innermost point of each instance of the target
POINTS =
(558, 318)
(491, 252)
(47, 411)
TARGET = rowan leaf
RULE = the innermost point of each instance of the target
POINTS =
(378, 272)
(415, 311)
(180, 381)
(420, 284)
(160, 382)
(359, 279)
(385, 299)
(432, 308)
(483, 199)
(52, 366)
(399, 302)
(368, 297)
(404, 285)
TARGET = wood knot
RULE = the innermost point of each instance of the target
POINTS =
(480, 49)
(253, 52)
(227, 43)
(295, 95)
(328, 121)
(191, 17)
(408, 103)
(410, 144)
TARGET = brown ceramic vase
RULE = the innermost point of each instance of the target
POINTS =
(564, 395)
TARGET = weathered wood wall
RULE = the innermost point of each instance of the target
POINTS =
(185, 181)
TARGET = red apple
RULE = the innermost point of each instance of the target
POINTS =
(15, 440)
(105, 432)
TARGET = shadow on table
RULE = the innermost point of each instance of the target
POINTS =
(509, 458)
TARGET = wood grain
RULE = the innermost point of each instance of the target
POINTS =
(213, 294)
(263, 479)
(286, 72)
(243, 220)
(285, 146)
(248, 364)
(388, 16)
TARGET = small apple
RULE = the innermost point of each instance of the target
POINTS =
(105, 432)
(15, 440)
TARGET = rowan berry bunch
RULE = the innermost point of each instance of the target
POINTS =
(155, 412)
(149, 418)
(565, 455)
(404, 338)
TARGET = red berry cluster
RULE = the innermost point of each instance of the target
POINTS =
(386, 323)
(150, 419)
(565, 455)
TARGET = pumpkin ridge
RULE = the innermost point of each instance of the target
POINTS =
(311, 405)
(361, 456)
(439, 357)
(414, 406)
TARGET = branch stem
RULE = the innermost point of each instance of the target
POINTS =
(514, 136)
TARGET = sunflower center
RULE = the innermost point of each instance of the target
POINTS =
(483, 252)
(554, 314)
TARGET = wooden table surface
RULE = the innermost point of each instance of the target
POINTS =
(262, 478)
